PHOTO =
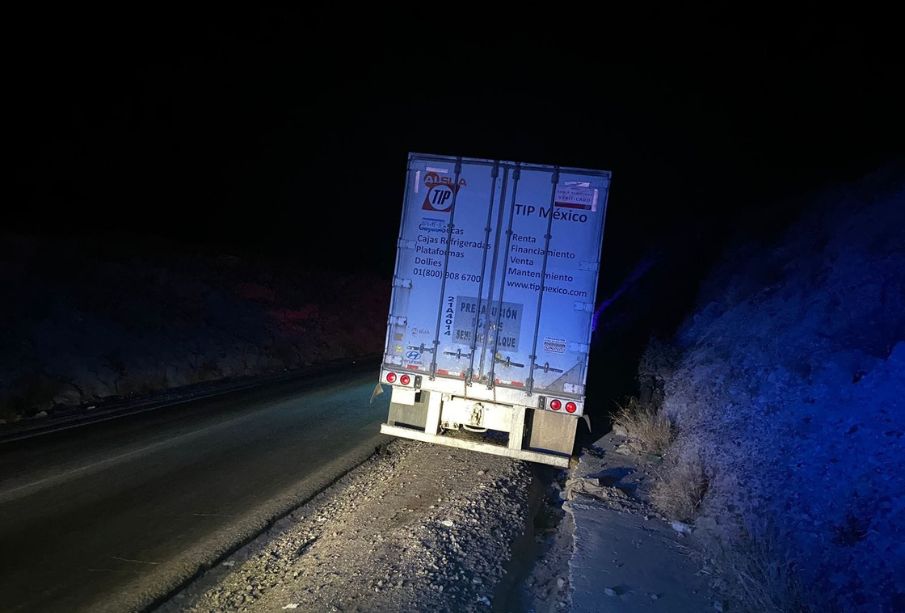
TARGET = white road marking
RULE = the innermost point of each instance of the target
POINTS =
(40, 484)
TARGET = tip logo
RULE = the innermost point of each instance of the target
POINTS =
(440, 191)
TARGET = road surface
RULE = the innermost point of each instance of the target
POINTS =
(113, 515)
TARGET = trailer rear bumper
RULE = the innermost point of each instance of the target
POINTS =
(439, 439)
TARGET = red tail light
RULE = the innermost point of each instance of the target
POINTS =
(555, 404)
(391, 377)
(405, 379)
(570, 407)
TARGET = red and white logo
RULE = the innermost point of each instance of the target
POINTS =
(441, 192)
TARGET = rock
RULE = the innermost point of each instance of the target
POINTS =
(447, 522)
(484, 601)
(717, 605)
(292, 605)
(560, 582)
(591, 487)
(619, 430)
(40, 414)
(609, 591)
(681, 528)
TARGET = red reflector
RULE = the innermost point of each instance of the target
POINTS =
(391, 377)
(405, 380)
(555, 404)
(570, 407)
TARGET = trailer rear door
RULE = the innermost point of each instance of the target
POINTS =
(479, 240)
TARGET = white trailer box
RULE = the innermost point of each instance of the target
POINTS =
(493, 298)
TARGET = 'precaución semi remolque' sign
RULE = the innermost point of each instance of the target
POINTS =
(510, 316)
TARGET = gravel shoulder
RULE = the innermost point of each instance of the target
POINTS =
(420, 527)
(416, 527)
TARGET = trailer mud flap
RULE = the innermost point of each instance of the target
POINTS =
(413, 415)
(552, 431)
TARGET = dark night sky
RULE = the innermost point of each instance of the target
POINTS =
(286, 132)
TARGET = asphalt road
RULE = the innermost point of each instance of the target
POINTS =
(111, 516)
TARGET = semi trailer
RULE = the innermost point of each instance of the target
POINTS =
(492, 305)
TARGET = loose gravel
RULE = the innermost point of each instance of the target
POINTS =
(416, 527)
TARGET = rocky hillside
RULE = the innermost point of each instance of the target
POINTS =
(86, 322)
(788, 386)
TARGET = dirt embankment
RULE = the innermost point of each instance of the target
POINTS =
(784, 395)
(87, 323)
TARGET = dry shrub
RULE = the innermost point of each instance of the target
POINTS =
(758, 575)
(645, 424)
(680, 487)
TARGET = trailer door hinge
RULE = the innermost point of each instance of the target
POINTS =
(584, 306)
(404, 244)
(400, 282)
(579, 347)
(397, 320)
(588, 266)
